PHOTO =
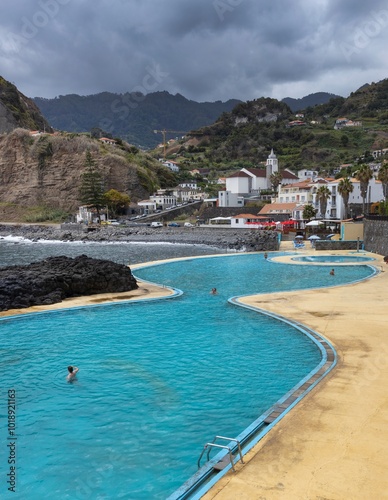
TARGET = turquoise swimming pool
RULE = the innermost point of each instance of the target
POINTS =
(333, 259)
(157, 380)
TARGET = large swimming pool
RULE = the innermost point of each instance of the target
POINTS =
(157, 380)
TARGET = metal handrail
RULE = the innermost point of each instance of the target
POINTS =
(230, 439)
(207, 445)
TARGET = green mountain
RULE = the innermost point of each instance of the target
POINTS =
(17, 110)
(308, 101)
(245, 136)
(131, 116)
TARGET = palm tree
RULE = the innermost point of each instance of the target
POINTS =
(345, 187)
(308, 212)
(323, 194)
(364, 175)
(383, 177)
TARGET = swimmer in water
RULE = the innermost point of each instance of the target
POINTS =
(72, 373)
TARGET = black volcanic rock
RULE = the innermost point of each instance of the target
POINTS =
(57, 278)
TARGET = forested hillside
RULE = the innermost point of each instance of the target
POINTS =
(245, 136)
(132, 116)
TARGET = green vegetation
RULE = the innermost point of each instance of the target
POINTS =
(45, 214)
(244, 137)
(131, 117)
(116, 202)
(23, 109)
(309, 212)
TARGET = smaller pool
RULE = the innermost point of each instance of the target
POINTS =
(330, 259)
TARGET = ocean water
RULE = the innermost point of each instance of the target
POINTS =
(14, 250)
(157, 380)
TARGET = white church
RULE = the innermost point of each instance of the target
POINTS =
(249, 182)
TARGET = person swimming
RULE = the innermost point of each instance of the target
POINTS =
(214, 291)
(72, 373)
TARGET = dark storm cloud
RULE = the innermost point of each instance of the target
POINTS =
(203, 49)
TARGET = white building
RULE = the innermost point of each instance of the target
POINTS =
(293, 210)
(229, 199)
(307, 174)
(378, 153)
(250, 182)
(185, 194)
(248, 221)
(335, 204)
(189, 184)
(172, 165)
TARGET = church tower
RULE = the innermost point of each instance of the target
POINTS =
(271, 167)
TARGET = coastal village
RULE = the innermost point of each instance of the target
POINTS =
(284, 195)
(315, 439)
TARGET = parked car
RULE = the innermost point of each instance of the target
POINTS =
(188, 224)
(156, 224)
(174, 224)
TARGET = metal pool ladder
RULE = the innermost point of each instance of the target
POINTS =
(224, 461)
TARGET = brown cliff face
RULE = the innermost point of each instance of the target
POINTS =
(46, 170)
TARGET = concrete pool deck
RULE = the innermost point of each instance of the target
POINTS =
(332, 445)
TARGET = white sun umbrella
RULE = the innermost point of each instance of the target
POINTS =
(314, 223)
(299, 237)
(313, 237)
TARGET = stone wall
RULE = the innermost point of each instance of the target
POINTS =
(338, 245)
(376, 234)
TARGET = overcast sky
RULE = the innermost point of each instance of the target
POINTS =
(206, 50)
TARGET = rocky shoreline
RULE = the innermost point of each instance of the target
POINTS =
(224, 238)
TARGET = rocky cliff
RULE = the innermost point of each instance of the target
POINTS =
(46, 170)
(58, 278)
(17, 110)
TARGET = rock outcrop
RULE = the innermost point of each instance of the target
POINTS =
(17, 110)
(57, 278)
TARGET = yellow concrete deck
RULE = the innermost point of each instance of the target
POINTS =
(145, 291)
(333, 444)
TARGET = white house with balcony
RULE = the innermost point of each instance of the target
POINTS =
(299, 192)
(335, 204)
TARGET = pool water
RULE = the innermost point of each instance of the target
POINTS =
(331, 259)
(157, 380)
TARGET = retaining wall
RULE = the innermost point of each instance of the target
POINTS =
(376, 235)
(338, 245)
